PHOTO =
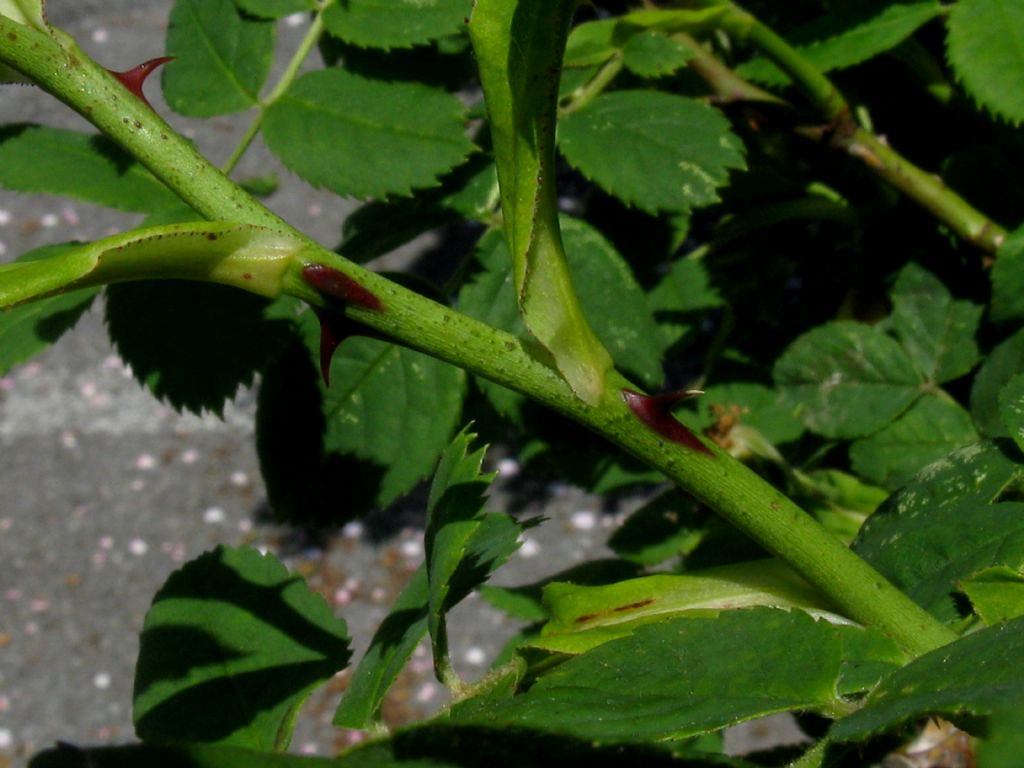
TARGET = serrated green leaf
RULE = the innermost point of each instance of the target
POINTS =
(1011, 408)
(868, 656)
(406, 624)
(976, 675)
(947, 524)
(34, 158)
(275, 9)
(930, 429)
(221, 58)
(671, 153)
(649, 54)
(30, 328)
(677, 678)
(192, 344)
(847, 380)
(1002, 364)
(848, 36)
(231, 647)
(454, 516)
(1008, 281)
(986, 48)
(937, 331)
(996, 594)
(519, 49)
(366, 138)
(395, 23)
(682, 299)
(393, 408)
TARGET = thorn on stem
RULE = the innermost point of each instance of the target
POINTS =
(656, 412)
(133, 79)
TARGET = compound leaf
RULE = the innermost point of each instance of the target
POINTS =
(366, 138)
(671, 153)
(231, 647)
(221, 58)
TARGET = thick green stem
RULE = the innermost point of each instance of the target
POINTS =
(726, 485)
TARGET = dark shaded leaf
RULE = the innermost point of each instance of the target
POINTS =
(231, 647)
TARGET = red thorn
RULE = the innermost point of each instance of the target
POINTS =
(334, 329)
(133, 79)
(336, 284)
(656, 412)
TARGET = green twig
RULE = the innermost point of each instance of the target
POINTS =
(316, 29)
(593, 87)
(727, 486)
(841, 131)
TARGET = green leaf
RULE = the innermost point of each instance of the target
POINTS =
(192, 344)
(231, 647)
(649, 54)
(395, 23)
(847, 380)
(366, 138)
(986, 48)
(590, 43)
(931, 428)
(949, 523)
(671, 153)
(30, 328)
(1008, 281)
(221, 58)
(937, 332)
(848, 36)
(665, 527)
(275, 9)
(34, 158)
(1002, 364)
(682, 300)
(454, 516)
(406, 624)
(678, 678)
(583, 617)
(753, 405)
(977, 675)
(519, 49)
(1011, 408)
(436, 745)
(996, 594)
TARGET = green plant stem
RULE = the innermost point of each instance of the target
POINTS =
(727, 486)
(726, 85)
(593, 87)
(842, 132)
(310, 39)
